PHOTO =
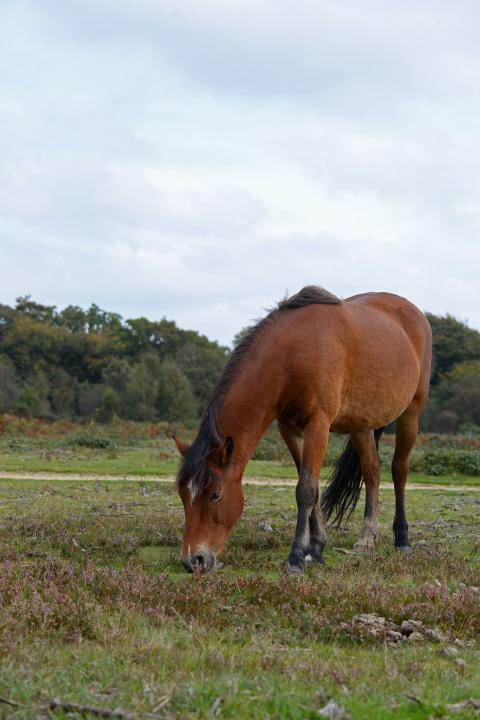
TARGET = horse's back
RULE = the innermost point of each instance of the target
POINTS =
(397, 312)
(362, 359)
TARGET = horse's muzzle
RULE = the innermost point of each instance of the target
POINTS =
(202, 561)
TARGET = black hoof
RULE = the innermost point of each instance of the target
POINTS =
(296, 562)
(316, 553)
(404, 548)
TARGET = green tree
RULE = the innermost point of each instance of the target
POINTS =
(9, 389)
(34, 397)
(42, 313)
(142, 389)
(89, 399)
(202, 365)
(62, 393)
(109, 405)
(455, 400)
(175, 400)
(453, 342)
(73, 318)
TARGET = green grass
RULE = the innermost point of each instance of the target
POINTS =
(123, 461)
(152, 461)
(122, 448)
(95, 608)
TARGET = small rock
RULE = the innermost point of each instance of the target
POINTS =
(437, 583)
(333, 711)
(370, 619)
(415, 637)
(395, 636)
(433, 634)
(464, 705)
(449, 651)
(264, 525)
(410, 626)
(421, 543)
(460, 662)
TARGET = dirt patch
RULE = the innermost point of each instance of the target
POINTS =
(249, 480)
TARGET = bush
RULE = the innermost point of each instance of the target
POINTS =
(436, 463)
(90, 439)
(468, 463)
(109, 404)
(272, 447)
(443, 461)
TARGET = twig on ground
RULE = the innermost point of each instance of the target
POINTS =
(57, 704)
(413, 698)
(12, 703)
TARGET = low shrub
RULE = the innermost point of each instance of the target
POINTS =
(92, 440)
(468, 463)
(443, 461)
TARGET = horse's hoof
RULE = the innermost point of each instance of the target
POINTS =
(403, 548)
(363, 547)
(296, 561)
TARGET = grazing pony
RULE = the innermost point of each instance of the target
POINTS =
(315, 363)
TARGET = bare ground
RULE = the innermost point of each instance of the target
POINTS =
(249, 480)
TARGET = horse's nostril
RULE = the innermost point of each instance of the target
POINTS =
(200, 560)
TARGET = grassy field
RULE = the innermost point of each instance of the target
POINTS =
(95, 610)
(148, 461)
(125, 448)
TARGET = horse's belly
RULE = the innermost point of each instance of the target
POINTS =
(377, 400)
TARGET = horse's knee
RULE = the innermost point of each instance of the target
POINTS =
(371, 466)
(306, 492)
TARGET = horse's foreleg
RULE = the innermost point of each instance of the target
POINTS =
(406, 433)
(309, 533)
(294, 441)
(364, 444)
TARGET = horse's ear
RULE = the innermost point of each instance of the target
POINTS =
(182, 446)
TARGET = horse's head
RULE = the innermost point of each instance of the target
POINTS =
(212, 502)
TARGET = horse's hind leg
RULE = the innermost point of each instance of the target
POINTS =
(309, 534)
(364, 444)
(406, 434)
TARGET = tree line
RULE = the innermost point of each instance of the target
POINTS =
(93, 364)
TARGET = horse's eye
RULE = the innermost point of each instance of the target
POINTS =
(215, 496)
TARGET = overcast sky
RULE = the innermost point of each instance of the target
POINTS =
(196, 159)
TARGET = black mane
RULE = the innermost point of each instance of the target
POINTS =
(194, 470)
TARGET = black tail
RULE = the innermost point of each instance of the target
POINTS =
(343, 489)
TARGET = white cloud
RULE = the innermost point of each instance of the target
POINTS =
(197, 160)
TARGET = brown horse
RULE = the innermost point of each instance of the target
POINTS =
(315, 363)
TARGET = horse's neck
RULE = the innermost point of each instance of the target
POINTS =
(247, 410)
